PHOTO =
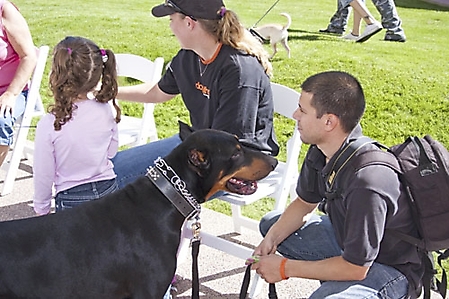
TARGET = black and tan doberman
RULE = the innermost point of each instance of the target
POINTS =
(124, 245)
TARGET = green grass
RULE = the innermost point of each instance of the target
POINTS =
(406, 84)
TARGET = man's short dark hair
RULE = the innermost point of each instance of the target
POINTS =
(337, 93)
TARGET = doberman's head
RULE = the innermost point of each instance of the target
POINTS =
(209, 161)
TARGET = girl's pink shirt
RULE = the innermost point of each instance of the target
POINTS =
(79, 153)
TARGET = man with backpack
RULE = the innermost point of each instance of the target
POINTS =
(349, 249)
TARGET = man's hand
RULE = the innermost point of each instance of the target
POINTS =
(267, 246)
(268, 267)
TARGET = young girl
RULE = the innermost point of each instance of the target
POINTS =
(77, 138)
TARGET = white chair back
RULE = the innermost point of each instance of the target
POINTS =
(34, 108)
(135, 131)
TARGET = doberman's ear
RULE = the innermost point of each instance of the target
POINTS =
(184, 130)
(198, 159)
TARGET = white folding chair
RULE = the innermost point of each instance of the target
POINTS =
(135, 131)
(33, 108)
(279, 184)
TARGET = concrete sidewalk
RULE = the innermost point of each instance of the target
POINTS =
(221, 274)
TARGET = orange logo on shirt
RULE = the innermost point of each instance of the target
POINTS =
(204, 89)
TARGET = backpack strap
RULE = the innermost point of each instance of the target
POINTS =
(342, 159)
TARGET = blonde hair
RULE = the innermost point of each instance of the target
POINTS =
(229, 31)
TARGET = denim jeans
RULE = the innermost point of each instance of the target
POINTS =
(387, 9)
(7, 121)
(316, 241)
(77, 195)
(132, 163)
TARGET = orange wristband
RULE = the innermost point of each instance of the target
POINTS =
(282, 268)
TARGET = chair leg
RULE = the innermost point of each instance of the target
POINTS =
(12, 172)
(16, 156)
(184, 243)
(240, 221)
(236, 216)
(256, 286)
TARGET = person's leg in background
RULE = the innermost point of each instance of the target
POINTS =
(372, 25)
(7, 123)
(338, 22)
(133, 163)
(390, 20)
(355, 32)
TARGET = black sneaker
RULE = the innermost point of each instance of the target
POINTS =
(395, 38)
(332, 31)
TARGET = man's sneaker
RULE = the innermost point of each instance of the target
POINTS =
(395, 38)
(369, 31)
(332, 30)
(350, 36)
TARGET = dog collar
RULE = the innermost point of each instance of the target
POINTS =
(174, 189)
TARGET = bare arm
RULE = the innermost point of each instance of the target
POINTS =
(294, 216)
(334, 268)
(143, 93)
(20, 38)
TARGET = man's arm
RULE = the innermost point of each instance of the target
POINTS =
(294, 216)
(334, 268)
(268, 266)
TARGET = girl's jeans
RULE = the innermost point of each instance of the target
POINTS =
(77, 195)
(316, 241)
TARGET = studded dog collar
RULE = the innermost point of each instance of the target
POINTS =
(174, 189)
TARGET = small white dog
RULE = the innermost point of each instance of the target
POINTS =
(276, 33)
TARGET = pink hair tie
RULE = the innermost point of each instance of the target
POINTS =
(222, 11)
(104, 55)
(69, 50)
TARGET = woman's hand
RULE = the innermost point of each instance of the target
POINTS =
(7, 100)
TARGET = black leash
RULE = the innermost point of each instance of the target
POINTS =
(195, 276)
(195, 243)
(245, 285)
(171, 185)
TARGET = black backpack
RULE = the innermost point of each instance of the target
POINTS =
(423, 168)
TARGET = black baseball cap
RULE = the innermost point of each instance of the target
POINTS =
(201, 9)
